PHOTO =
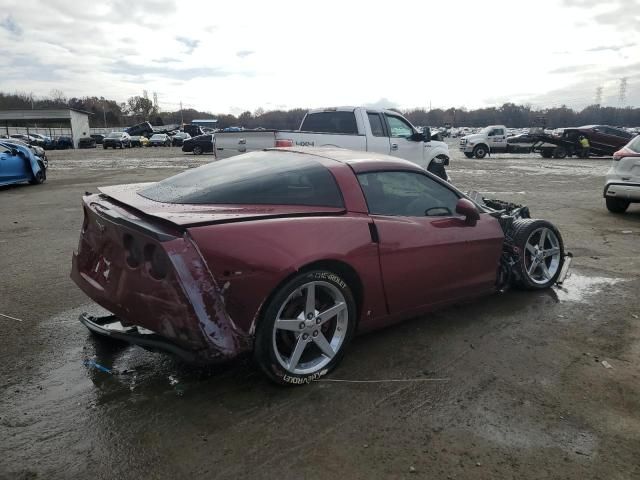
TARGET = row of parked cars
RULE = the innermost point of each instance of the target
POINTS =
(61, 142)
(124, 140)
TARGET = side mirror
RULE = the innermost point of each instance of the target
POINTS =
(469, 210)
(426, 132)
(420, 137)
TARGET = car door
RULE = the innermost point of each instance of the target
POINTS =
(377, 136)
(497, 140)
(12, 167)
(400, 145)
(429, 255)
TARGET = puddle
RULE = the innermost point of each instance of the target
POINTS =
(578, 288)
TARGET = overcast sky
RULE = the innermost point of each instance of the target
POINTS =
(236, 56)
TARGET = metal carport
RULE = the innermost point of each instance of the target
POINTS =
(78, 119)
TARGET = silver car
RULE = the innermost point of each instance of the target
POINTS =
(623, 178)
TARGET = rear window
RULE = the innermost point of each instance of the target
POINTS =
(330, 122)
(258, 178)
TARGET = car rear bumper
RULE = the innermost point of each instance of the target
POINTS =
(622, 190)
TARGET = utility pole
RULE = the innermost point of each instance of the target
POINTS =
(104, 116)
(599, 96)
(181, 115)
(622, 95)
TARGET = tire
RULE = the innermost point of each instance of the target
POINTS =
(617, 205)
(104, 147)
(40, 177)
(541, 258)
(197, 150)
(559, 152)
(276, 348)
(546, 153)
(480, 151)
(438, 169)
(468, 154)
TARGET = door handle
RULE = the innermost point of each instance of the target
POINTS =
(394, 146)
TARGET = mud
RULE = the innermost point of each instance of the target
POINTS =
(519, 389)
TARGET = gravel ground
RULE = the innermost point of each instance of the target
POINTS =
(509, 386)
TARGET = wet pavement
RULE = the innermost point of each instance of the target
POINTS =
(508, 386)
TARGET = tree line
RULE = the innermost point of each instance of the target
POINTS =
(136, 109)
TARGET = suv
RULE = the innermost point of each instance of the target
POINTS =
(623, 178)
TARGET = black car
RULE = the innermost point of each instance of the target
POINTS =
(98, 137)
(63, 142)
(87, 142)
(198, 145)
(179, 138)
(117, 140)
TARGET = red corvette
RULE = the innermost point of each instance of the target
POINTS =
(287, 253)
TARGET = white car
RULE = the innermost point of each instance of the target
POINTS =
(623, 178)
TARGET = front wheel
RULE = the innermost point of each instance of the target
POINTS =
(480, 151)
(305, 328)
(197, 150)
(541, 253)
(39, 177)
(617, 205)
(560, 152)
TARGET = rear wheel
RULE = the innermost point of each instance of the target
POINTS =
(559, 152)
(541, 253)
(197, 150)
(480, 151)
(617, 205)
(305, 328)
(546, 153)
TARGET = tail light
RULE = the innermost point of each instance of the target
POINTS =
(284, 142)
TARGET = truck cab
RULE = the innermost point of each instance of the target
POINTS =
(488, 140)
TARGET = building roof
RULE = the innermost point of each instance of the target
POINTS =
(40, 114)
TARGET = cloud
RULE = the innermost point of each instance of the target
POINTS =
(622, 14)
(572, 69)
(10, 25)
(382, 103)
(244, 53)
(190, 43)
(615, 48)
(122, 67)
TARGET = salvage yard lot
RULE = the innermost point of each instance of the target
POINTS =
(509, 386)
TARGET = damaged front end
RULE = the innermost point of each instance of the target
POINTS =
(521, 258)
(151, 276)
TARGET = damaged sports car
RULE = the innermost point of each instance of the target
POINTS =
(287, 253)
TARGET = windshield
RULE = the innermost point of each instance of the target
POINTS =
(115, 135)
(256, 178)
(486, 130)
(158, 136)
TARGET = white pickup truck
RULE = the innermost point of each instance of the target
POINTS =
(355, 128)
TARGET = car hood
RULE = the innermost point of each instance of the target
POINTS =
(196, 214)
(473, 136)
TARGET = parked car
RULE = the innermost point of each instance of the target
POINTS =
(199, 145)
(36, 150)
(143, 128)
(30, 139)
(18, 164)
(356, 128)
(193, 130)
(160, 140)
(98, 137)
(179, 138)
(603, 139)
(622, 186)
(87, 142)
(117, 140)
(139, 141)
(63, 142)
(286, 253)
(47, 142)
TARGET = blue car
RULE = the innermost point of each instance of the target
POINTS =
(18, 164)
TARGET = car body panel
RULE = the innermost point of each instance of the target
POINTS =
(201, 274)
(623, 178)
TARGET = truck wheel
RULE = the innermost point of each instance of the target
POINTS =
(437, 167)
(480, 151)
(197, 150)
(546, 153)
(617, 205)
(559, 152)
(541, 253)
(305, 328)
(468, 154)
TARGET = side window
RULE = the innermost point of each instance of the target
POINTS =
(331, 122)
(407, 194)
(376, 124)
(398, 127)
